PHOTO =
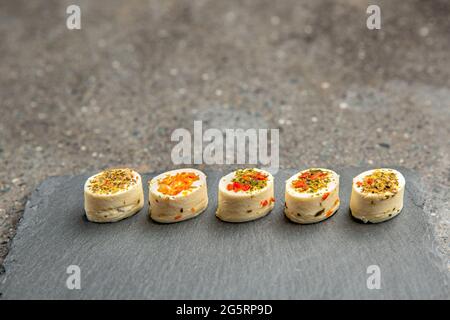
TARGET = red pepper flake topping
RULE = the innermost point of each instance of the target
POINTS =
(325, 195)
(311, 180)
(178, 217)
(272, 199)
(248, 180)
(379, 181)
(264, 203)
(172, 185)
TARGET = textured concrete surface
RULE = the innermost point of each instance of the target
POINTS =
(111, 93)
(205, 258)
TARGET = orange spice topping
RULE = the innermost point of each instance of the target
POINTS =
(329, 212)
(172, 185)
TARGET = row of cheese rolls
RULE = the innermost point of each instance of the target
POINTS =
(311, 195)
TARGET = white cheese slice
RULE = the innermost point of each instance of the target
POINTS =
(184, 205)
(244, 206)
(376, 207)
(306, 207)
(113, 207)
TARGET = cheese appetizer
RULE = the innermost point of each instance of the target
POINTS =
(244, 195)
(312, 195)
(177, 195)
(113, 195)
(377, 195)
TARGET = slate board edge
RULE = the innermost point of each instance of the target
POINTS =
(32, 201)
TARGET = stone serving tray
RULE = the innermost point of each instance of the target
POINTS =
(205, 258)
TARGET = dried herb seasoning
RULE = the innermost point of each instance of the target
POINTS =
(112, 181)
(379, 181)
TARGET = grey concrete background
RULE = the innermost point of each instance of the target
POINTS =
(111, 93)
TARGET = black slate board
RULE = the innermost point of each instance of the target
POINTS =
(205, 258)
